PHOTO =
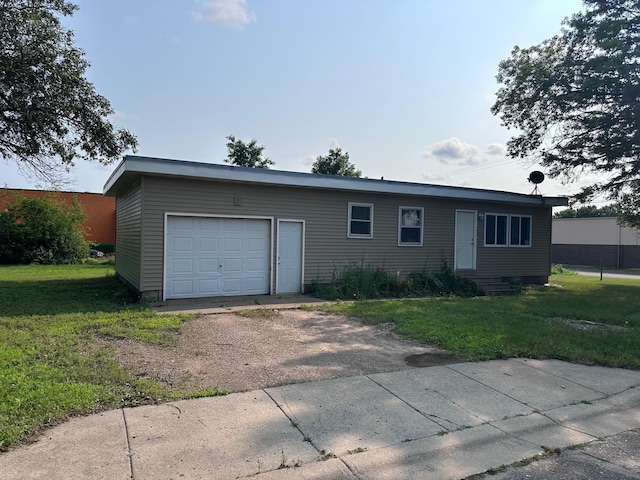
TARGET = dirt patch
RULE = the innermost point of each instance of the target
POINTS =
(235, 353)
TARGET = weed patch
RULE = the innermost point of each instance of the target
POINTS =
(357, 281)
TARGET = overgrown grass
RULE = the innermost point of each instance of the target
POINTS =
(55, 358)
(585, 320)
(357, 281)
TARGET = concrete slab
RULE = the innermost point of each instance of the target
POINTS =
(347, 414)
(452, 456)
(88, 447)
(533, 387)
(598, 419)
(235, 435)
(542, 431)
(449, 398)
(331, 469)
(602, 379)
(629, 399)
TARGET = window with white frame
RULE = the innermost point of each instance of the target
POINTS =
(410, 226)
(502, 230)
(520, 231)
(360, 220)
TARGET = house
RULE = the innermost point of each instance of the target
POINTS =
(595, 241)
(186, 229)
(100, 225)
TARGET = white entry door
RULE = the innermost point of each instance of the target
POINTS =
(290, 254)
(465, 245)
(208, 256)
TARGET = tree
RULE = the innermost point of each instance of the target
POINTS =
(51, 114)
(576, 99)
(42, 230)
(246, 154)
(630, 211)
(336, 163)
(589, 211)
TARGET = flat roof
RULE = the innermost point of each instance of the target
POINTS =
(133, 167)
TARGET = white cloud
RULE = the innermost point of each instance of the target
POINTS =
(453, 152)
(496, 149)
(230, 12)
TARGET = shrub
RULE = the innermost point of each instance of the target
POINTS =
(559, 269)
(358, 282)
(42, 230)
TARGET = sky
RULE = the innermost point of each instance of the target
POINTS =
(404, 86)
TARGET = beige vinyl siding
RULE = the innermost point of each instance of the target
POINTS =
(525, 261)
(129, 235)
(327, 248)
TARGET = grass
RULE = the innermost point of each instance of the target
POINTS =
(55, 355)
(582, 320)
(56, 323)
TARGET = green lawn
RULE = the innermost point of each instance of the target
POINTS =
(55, 323)
(55, 359)
(586, 321)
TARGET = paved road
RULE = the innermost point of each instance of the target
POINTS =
(609, 274)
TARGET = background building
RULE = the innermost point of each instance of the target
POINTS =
(595, 241)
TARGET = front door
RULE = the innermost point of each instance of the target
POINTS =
(290, 254)
(466, 232)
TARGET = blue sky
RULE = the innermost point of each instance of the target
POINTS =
(404, 86)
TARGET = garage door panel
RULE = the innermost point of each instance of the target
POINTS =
(182, 287)
(209, 244)
(208, 265)
(232, 266)
(232, 225)
(182, 266)
(206, 225)
(233, 286)
(181, 224)
(217, 256)
(255, 284)
(232, 244)
(208, 287)
(256, 265)
(183, 244)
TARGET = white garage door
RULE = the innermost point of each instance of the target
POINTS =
(216, 257)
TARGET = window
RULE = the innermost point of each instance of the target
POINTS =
(520, 231)
(360, 220)
(495, 229)
(501, 230)
(410, 223)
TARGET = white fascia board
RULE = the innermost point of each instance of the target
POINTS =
(206, 171)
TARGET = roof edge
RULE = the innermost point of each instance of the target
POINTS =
(136, 165)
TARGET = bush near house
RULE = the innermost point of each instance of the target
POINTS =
(357, 281)
(42, 230)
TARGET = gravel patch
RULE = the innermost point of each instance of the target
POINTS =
(235, 353)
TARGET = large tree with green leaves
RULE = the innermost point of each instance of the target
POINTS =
(335, 163)
(246, 154)
(575, 99)
(51, 114)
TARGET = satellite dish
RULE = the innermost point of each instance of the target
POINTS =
(536, 177)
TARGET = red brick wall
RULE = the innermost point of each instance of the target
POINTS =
(101, 211)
